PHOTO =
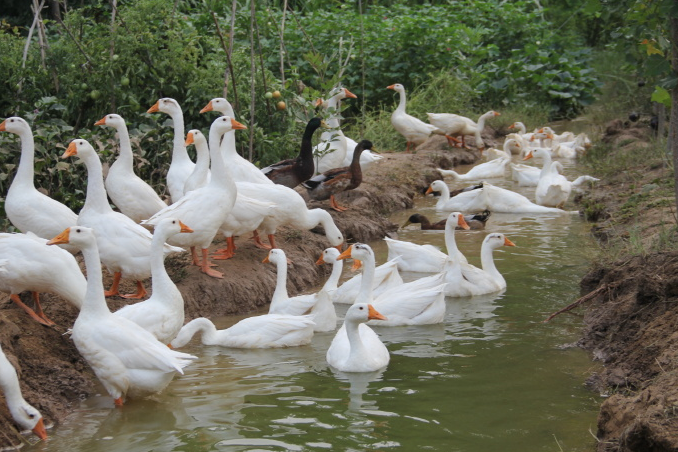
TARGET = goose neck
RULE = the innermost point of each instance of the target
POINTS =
(487, 262)
(25, 172)
(125, 157)
(280, 294)
(450, 240)
(357, 352)
(209, 333)
(160, 278)
(333, 281)
(179, 153)
(10, 384)
(96, 197)
(221, 174)
(403, 102)
(95, 301)
(546, 168)
(367, 281)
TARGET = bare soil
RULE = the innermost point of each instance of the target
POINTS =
(54, 377)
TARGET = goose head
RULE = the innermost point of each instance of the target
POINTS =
(165, 105)
(29, 418)
(457, 219)
(194, 136)
(275, 256)
(221, 105)
(539, 152)
(329, 256)
(497, 239)
(171, 226)
(111, 120)
(491, 114)
(358, 252)
(14, 125)
(437, 185)
(342, 93)
(396, 87)
(225, 124)
(79, 147)
(78, 236)
(362, 312)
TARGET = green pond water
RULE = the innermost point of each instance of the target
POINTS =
(492, 377)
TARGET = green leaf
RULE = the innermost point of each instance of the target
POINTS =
(662, 96)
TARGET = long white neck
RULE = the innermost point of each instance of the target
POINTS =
(201, 169)
(367, 281)
(209, 333)
(221, 174)
(450, 242)
(96, 191)
(95, 301)
(546, 168)
(444, 195)
(125, 158)
(280, 294)
(521, 128)
(334, 102)
(481, 126)
(25, 172)
(160, 282)
(487, 262)
(403, 102)
(358, 353)
(9, 382)
(179, 153)
(333, 281)
(228, 141)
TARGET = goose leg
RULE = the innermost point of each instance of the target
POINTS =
(335, 205)
(114, 287)
(226, 253)
(196, 260)
(15, 298)
(271, 240)
(206, 264)
(452, 141)
(118, 401)
(140, 293)
(38, 308)
(258, 242)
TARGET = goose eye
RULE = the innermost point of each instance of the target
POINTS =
(361, 308)
(77, 230)
(174, 222)
(31, 416)
(81, 143)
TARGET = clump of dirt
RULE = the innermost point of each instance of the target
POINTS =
(53, 375)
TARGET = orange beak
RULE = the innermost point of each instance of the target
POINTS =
(184, 228)
(318, 102)
(347, 93)
(512, 126)
(207, 107)
(236, 125)
(320, 260)
(70, 151)
(39, 430)
(101, 122)
(346, 254)
(2, 126)
(373, 314)
(496, 113)
(462, 222)
(61, 238)
(429, 190)
(528, 156)
(155, 108)
(189, 139)
(266, 261)
(390, 87)
(507, 242)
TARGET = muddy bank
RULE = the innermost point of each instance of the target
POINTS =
(53, 375)
(631, 317)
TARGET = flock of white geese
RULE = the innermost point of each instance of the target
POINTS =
(133, 351)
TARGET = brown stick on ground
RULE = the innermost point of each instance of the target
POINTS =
(588, 297)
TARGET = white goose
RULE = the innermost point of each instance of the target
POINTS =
(386, 276)
(264, 331)
(453, 125)
(27, 208)
(242, 169)
(125, 246)
(488, 197)
(414, 130)
(22, 412)
(205, 208)
(127, 359)
(427, 258)
(356, 347)
(333, 144)
(27, 263)
(181, 165)
(484, 281)
(419, 302)
(201, 172)
(163, 313)
(493, 168)
(553, 189)
(134, 197)
(318, 305)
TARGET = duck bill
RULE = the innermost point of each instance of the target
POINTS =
(189, 139)
(2, 126)
(40, 430)
(373, 314)
(101, 122)
(528, 156)
(266, 260)
(349, 94)
(496, 113)
(462, 223)
(207, 107)
(184, 228)
(390, 87)
(318, 102)
(155, 108)
(429, 190)
(70, 150)
(507, 242)
(236, 125)
(346, 254)
(357, 265)
(64, 237)
(407, 223)
(320, 260)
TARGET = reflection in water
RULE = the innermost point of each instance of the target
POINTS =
(491, 377)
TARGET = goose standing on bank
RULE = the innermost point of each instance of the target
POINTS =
(127, 359)
(414, 130)
(338, 180)
(181, 166)
(124, 245)
(134, 197)
(163, 313)
(27, 208)
(459, 126)
(292, 172)
(205, 208)
(27, 263)
(22, 412)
